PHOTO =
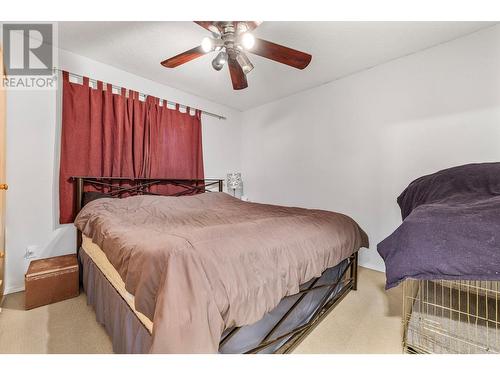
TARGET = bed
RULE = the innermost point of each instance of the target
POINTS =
(173, 267)
(447, 255)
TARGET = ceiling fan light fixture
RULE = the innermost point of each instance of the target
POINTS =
(245, 63)
(219, 61)
(247, 40)
(209, 44)
(206, 44)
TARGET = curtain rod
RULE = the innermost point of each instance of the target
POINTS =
(94, 81)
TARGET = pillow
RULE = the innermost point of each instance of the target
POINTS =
(90, 196)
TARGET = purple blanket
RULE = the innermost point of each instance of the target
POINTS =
(451, 227)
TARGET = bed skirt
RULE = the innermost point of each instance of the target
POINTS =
(126, 331)
(129, 335)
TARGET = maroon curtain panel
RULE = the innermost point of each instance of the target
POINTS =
(112, 135)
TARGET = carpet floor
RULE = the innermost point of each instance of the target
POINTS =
(366, 321)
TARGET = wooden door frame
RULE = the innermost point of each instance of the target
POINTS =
(3, 125)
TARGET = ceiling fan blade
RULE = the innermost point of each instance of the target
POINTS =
(209, 25)
(281, 54)
(183, 57)
(237, 75)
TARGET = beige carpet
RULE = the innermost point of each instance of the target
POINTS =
(366, 321)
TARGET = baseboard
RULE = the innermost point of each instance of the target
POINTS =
(13, 289)
(372, 266)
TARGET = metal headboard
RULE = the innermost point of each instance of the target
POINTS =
(127, 186)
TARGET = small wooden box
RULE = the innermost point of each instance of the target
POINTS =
(51, 280)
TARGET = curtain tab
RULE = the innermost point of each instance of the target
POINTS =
(85, 81)
(151, 100)
(99, 85)
(65, 75)
(123, 92)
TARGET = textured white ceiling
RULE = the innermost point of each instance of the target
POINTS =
(338, 49)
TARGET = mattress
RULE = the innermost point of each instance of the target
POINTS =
(99, 258)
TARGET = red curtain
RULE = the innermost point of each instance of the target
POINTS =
(112, 135)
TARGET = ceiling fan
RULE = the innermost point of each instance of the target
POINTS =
(233, 39)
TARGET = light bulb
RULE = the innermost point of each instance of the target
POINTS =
(247, 40)
(219, 60)
(207, 44)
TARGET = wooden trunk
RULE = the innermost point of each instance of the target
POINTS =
(51, 280)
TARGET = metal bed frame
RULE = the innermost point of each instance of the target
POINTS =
(123, 186)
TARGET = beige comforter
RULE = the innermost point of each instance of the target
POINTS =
(199, 264)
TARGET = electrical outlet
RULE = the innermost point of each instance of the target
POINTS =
(32, 251)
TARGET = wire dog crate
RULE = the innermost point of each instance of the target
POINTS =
(441, 316)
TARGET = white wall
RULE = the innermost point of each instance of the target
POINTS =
(32, 159)
(354, 144)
